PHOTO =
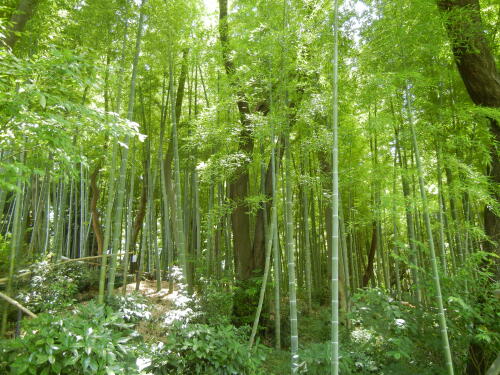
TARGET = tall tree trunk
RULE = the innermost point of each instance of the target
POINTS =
(477, 67)
(371, 256)
(20, 17)
(335, 201)
(169, 156)
(128, 230)
(179, 219)
(239, 186)
(276, 251)
(410, 228)
(307, 245)
(14, 250)
(244, 256)
(121, 185)
(290, 248)
(96, 224)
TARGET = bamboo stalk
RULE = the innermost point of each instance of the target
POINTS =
(18, 305)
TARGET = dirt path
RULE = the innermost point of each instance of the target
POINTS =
(165, 307)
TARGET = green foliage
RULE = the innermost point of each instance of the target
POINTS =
(42, 108)
(92, 341)
(246, 295)
(393, 336)
(386, 337)
(316, 359)
(315, 326)
(202, 349)
(214, 305)
(53, 287)
(4, 255)
(133, 307)
(473, 308)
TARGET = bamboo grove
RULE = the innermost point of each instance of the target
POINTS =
(293, 151)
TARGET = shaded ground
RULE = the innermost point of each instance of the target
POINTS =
(165, 307)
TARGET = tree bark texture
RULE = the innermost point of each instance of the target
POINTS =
(19, 18)
(477, 67)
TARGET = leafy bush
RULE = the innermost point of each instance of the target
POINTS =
(202, 349)
(133, 307)
(316, 360)
(46, 290)
(53, 287)
(472, 309)
(394, 336)
(313, 327)
(214, 305)
(79, 273)
(94, 341)
(4, 255)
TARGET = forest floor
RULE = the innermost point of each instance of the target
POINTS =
(174, 306)
(165, 306)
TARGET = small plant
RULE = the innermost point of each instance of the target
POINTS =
(202, 349)
(316, 360)
(53, 287)
(49, 288)
(133, 307)
(92, 341)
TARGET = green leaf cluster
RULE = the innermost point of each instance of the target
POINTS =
(202, 349)
(92, 341)
(133, 307)
(53, 287)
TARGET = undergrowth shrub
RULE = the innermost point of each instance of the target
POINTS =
(201, 349)
(315, 359)
(387, 337)
(214, 305)
(53, 287)
(4, 255)
(473, 311)
(93, 340)
(314, 326)
(133, 307)
(394, 336)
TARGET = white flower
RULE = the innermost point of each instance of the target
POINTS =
(400, 323)
(361, 335)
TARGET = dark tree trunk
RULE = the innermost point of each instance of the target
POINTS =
(238, 188)
(19, 18)
(248, 257)
(141, 212)
(169, 157)
(477, 68)
(96, 222)
(259, 235)
(371, 257)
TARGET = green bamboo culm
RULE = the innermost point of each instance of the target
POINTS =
(292, 284)
(335, 202)
(269, 243)
(435, 271)
(276, 255)
(120, 199)
(128, 230)
(307, 244)
(289, 236)
(15, 243)
(181, 246)
(107, 223)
